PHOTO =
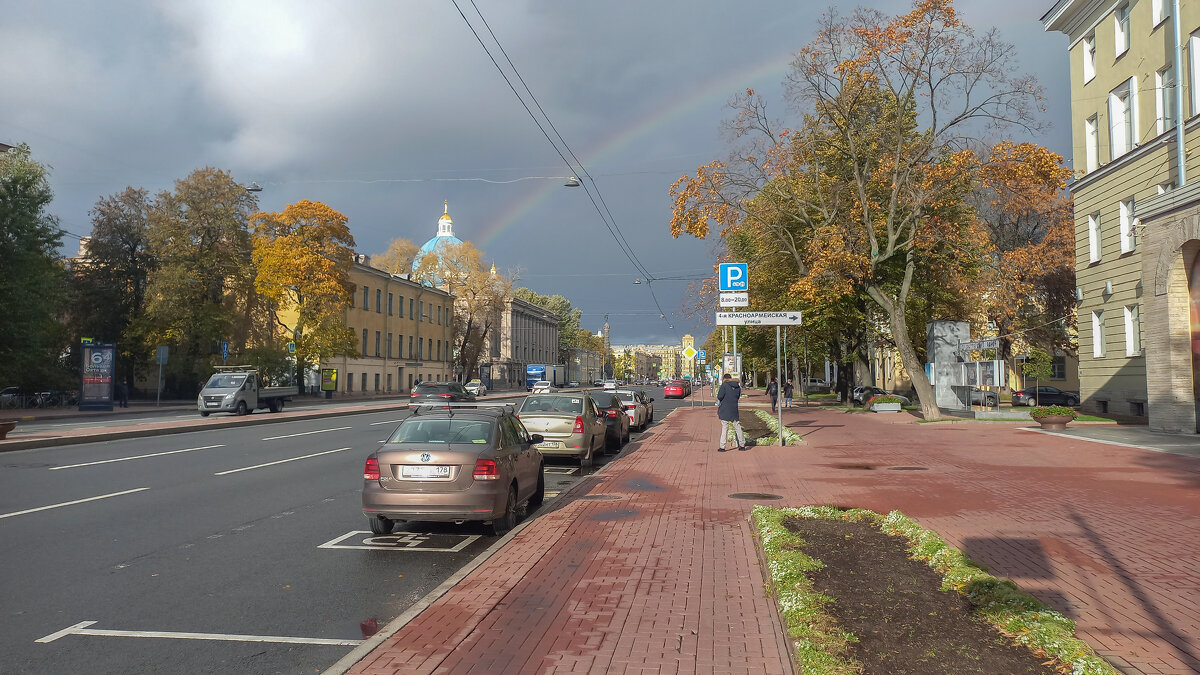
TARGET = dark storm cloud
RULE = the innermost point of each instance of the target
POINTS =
(341, 102)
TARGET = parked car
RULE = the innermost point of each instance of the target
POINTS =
(1044, 395)
(573, 384)
(542, 387)
(637, 406)
(454, 466)
(862, 395)
(677, 389)
(570, 425)
(614, 417)
(10, 397)
(609, 385)
(989, 399)
(476, 387)
(434, 393)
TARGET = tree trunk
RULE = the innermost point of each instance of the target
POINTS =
(908, 356)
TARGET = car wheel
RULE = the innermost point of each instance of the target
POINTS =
(381, 525)
(539, 494)
(626, 439)
(204, 413)
(507, 521)
(588, 459)
(241, 408)
(275, 405)
(610, 445)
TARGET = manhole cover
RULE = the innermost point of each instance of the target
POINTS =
(855, 467)
(754, 495)
(599, 497)
(907, 468)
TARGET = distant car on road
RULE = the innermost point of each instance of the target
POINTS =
(476, 387)
(439, 393)
(637, 406)
(610, 385)
(677, 389)
(617, 421)
(573, 384)
(454, 466)
(1045, 395)
(542, 387)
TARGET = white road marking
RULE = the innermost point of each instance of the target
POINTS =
(387, 422)
(306, 433)
(282, 461)
(81, 628)
(77, 501)
(125, 459)
(392, 542)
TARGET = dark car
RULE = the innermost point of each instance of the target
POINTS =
(454, 465)
(1044, 395)
(616, 421)
(862, 395)
(435, 393)
(983, 397)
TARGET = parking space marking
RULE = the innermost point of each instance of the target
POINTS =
(306, 433)
(561, 470)
(82, 628)
(77, 501)
(403, 541)
(125, 459)
(551, 494)
(374, 424)
(281, 461)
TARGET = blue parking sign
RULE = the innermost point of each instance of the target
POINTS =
(702, 355)
(733, 277)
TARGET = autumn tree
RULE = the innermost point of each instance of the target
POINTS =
(302, 259)
(113, 274)
(32, 280)
(866, 194)
(568, 320)
(200, 293)
(398, 258)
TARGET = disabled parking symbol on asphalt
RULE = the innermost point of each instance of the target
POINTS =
(433, 542)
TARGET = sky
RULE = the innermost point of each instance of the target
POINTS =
(386, 110)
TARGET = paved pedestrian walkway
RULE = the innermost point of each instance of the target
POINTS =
(649, 567)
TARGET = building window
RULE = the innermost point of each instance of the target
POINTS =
(364, 342)
(364, 383)
(1121, 29)
(1159, 10)
(366, 299)
(1094, 237)
(439, 315)
(376, 383)
(1194, 70)
(1120, 119)
(1098, 334)
(1092, 139)
(378, 301)
(420, 311)
(410, 308)
(1128, 226)
(420, 348)
(410, 345)
(377, 341)
(1133, 330)
(1164, 105)
(389, 383)
(401, 310)
(1089, 57)
(1058, 368)
(389, 354)
(390, 303)
(349, 382)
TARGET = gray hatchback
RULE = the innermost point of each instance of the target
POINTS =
(454, 465)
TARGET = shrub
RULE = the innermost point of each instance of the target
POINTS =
(882, 398)
(1052, 411)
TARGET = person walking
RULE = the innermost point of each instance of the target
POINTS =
(727, 411)
(123, 395)
(787, 393)
(773, 392)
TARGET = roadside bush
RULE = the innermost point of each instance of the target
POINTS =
(1052, 411)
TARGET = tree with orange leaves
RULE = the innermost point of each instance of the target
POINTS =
(302, 257)
(868, 194)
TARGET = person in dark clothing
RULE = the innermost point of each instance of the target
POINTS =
(773, 392)
(727, 411)
(123, 394)
(787, 393)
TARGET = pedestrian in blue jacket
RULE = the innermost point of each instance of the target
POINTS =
(727, 411)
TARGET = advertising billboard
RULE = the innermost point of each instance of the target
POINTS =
(96, 383)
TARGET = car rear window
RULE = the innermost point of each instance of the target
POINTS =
(555, 404)
(432, 388)
(443, 431)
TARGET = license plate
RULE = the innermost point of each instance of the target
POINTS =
(425, 471)
(549, 444)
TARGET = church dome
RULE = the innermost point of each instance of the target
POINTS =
(444, 237)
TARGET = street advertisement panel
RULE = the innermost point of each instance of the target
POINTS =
(485, 375)
(329, 379)
(96, 384)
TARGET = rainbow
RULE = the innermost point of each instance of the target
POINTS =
(717, 90)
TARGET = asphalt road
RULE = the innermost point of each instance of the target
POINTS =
(197, 552)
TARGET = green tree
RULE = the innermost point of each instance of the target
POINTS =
(202, 292)
(32, 278)
(1039, 365)
(568, 318)
(302, 260)
(113, 274)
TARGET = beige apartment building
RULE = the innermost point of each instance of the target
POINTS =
(405, 332)
(527, 334)
(663, 360)
(1137, 216)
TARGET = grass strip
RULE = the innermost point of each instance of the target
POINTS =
(789, 436)
(822, 648)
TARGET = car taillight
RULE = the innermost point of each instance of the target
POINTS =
(413, 395)
(578, 428)
(486, 469)
(371, 469)
(611, 413)
(445, 396)
(630, 407)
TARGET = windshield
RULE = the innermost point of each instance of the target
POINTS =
(443, 431)
(432, 388)
(572, 405)
(225, 381)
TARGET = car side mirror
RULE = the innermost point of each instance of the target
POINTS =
(536, 438)
(652, 399)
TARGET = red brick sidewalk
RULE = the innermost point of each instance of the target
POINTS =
(654, 569)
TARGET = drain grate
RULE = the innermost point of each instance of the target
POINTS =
(754, 495)
(908, 468)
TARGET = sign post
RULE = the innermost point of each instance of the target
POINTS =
(734, 278)
(224, 352)
(779, 387)
(161, 357)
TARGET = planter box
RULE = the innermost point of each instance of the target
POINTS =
(6, 426)
(885, 407)
(1054, 422)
